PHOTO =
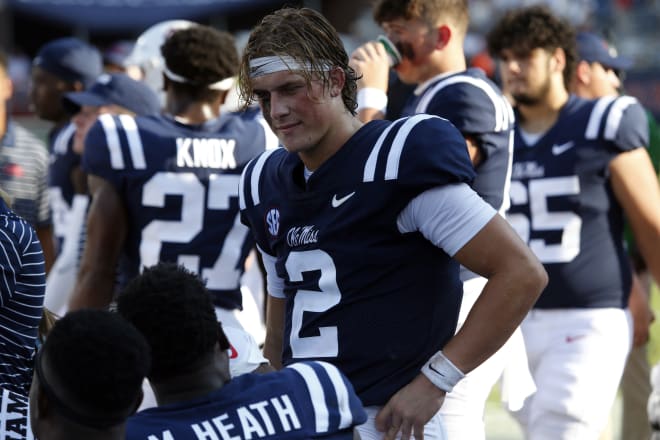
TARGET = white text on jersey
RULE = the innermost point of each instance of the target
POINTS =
(255, 421)
(205, 153)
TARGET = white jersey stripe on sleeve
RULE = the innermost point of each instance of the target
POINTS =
(256, 174)
(343, 399)
(500, 109)
(241, 186)
(597, 116)
(112, 139)
(134, 141)
(616, 113)
(321, 415)
(370, 165)
(61, 143)
(394, 156)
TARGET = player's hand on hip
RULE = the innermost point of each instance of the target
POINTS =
(410, 409)
(371, 61)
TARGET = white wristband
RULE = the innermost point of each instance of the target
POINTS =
(370, 97)
(442, 372)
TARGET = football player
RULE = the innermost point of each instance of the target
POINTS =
(87, 378)
(358, 224)
(61, 66)
(599, 73)
(190, 374)
(579, 168)
(430, 36)
(165, 187)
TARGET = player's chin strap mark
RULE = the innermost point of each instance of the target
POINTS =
(265, 65)
(222, 85)
(442, 372)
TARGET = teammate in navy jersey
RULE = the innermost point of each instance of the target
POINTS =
(190, 374)
(60, 66)
(165, 187)
(110, 94)
(430, 36)
(87, 377)
(597, 74)
(579, 167)
(357, 226)
(22, 285)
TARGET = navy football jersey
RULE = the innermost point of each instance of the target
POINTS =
(563, 206)
(304, 401)
(475, 105)
(179, 184)
(360, 294)
(61, 191)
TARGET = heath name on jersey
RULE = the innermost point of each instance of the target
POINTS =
(304, 401)
(180, 187)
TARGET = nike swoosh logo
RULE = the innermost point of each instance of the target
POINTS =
(570, 339)
(562, 148)
(436, 371)
(336, 203)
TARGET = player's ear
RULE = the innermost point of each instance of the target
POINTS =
(558, 60)
(583, 72)
(336, 81)
(444, 35)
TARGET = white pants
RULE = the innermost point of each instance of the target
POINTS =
(463, 409)
(576, 357)
(433, 430)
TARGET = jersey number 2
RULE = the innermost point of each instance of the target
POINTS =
(327, 343)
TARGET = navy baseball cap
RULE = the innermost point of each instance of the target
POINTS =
(594, 49)
(118, 89)
(70, 59)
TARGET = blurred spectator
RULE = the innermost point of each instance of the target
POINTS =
(61, 66)
(23, 168)
(114, 56)
(19, 66)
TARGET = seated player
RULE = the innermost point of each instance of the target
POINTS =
(190, 374)
(87, 377)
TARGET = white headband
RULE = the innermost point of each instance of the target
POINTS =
(264, 65)
(222, 85)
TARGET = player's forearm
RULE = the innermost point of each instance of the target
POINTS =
(45, 234)
(501, 307)
(94, 289)
(273, 344)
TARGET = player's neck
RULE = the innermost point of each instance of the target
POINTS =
(193, 112)
(196, 383)
(451, 60)
(541, 115)
(343, 129)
